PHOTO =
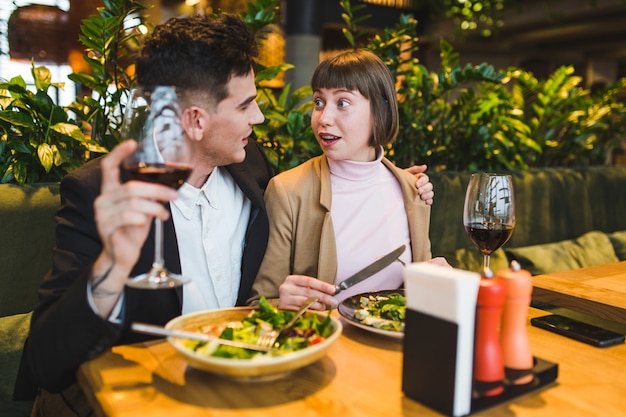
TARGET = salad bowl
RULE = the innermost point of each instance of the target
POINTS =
(260, 366)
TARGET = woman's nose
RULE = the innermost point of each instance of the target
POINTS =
(326, 116)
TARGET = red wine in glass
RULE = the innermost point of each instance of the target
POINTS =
(172, 175)
(489, 212)
(488, 236)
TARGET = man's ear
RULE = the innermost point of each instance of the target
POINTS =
(194, 122)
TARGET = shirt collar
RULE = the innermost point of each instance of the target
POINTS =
(189, 196)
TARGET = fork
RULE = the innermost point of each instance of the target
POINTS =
(267, 338)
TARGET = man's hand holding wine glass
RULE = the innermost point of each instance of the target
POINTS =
(124, 214)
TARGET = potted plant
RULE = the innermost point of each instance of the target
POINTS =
(110, 37)
(40, 142)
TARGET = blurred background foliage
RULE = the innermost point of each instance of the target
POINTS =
(470, 117)
(455, 117)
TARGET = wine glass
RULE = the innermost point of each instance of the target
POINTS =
(153, 118)
(489, 212)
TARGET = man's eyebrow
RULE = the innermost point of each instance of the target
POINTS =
(247, 101)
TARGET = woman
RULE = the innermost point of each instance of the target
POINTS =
(336, 213)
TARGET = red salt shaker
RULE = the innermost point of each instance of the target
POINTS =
(488, 363)
(516, 352)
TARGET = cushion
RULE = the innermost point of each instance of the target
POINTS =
(472, 260)
(618, 239)
(592, 248)
(13, 332)
(26, 242)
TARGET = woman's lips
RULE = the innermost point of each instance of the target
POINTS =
(328, 140)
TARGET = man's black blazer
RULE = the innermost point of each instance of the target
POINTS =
(64, 330)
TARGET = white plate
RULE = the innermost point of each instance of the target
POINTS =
(348, 306)
(259, 368)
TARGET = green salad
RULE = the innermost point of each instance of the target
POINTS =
(308, 330)
(384, 312)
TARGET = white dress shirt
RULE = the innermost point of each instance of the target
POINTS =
(210, 224)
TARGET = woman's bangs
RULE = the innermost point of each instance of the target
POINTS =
(338, 75)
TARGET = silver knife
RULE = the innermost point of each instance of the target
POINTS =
(370, 270)
(162, 331)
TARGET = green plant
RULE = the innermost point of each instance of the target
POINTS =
(352, 32)
(470, 117)
(285, 134)
(454, 117)
(507, 119)
(475, 117)
(571, 125)
(110, 38)
(484, 16)
(39, 142)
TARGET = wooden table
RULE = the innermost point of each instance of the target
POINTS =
(598, 291)
(361, 376)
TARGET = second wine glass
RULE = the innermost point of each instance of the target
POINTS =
(489, 212)
(153, 118)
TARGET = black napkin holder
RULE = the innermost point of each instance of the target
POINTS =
(429, 367)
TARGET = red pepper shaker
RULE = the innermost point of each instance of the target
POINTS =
(488, 363)
(516, 352)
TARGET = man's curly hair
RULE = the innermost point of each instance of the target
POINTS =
(198, 54)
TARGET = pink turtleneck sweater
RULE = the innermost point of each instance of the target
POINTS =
(369, 220)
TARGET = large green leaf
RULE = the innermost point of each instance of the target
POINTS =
(68, 129)
(46, 156)
(18, 119)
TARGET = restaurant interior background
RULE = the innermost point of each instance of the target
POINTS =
(540, 36)
(536, 35)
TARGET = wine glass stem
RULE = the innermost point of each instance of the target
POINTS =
(158, 264)
(486, 262)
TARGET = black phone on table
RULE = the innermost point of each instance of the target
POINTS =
(578, 330)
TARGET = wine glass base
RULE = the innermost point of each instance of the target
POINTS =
(156, 282)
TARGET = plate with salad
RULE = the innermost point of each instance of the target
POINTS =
(308, 340)
(380, 312)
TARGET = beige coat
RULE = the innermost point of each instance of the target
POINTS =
(302, 239)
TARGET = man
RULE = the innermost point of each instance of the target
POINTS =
(83, 309)
(104, 223)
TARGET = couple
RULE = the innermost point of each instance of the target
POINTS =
(104, 222)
